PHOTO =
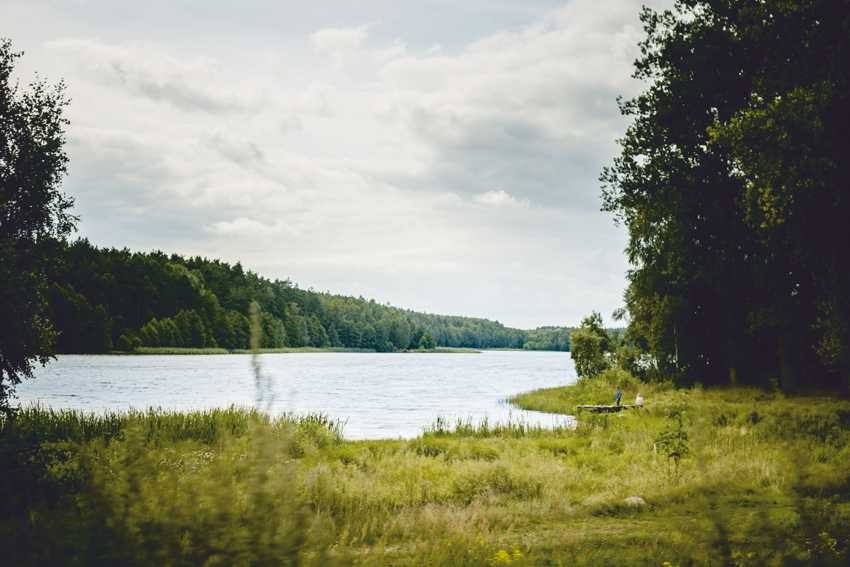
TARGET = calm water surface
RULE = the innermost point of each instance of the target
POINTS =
(376, 395)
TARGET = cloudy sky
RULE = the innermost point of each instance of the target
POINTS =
(434, 154)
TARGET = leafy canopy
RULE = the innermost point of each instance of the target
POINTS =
(733, 183)
(34, 212)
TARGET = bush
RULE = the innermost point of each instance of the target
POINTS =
(619, 377)
(129, 342)
(590, 345)
(587, 353)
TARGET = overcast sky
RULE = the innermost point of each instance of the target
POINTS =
(433, 154)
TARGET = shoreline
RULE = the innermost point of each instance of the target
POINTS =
(178, 351)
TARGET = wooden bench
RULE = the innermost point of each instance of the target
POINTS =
(605, 409)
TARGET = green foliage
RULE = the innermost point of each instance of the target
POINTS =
(591, 345)
(736, 146)
(548, 338)
(178, 350)
(129, 342)
(203, 487)
(134, 300)
(597, 390)
(673, 442)
(33, 215)
(93, 326)
(426, 342)
(587, 353)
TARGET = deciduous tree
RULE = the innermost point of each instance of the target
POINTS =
(33, 213)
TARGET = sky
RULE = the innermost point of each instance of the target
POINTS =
(436, 155)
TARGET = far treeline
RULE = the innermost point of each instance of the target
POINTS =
(107, 299)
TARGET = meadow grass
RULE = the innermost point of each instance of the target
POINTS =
(717, 476)
(174, 350)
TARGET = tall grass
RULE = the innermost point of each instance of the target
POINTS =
(38, 424)
(765, 480)
(516, 428)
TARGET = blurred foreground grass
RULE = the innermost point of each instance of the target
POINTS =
(733, 476)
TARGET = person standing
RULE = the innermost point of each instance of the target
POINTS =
(618, 396)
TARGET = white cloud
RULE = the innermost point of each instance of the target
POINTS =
(336, 40)
(532, 110)
(438, 175)
(150, 71)
(500, 199)
(346, 47)
(242, 227)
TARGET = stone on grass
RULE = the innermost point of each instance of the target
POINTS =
(634, 502)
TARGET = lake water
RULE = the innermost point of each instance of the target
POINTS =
(376, 395)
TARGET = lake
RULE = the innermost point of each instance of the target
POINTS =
(376, 395)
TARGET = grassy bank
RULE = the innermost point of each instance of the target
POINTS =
(186, 350)
(302, 350)
(173, 350)
(731, 476)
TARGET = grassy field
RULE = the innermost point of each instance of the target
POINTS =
(720, 477)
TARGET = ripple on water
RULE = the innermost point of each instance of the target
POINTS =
(377, 395)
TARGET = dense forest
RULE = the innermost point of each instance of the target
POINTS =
(108, 299)
(733, 184)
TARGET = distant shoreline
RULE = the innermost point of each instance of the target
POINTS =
(143, 351)
(282, 350)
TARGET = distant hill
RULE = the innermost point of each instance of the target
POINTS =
(106, 299)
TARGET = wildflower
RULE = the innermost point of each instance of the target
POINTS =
(502, 557)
